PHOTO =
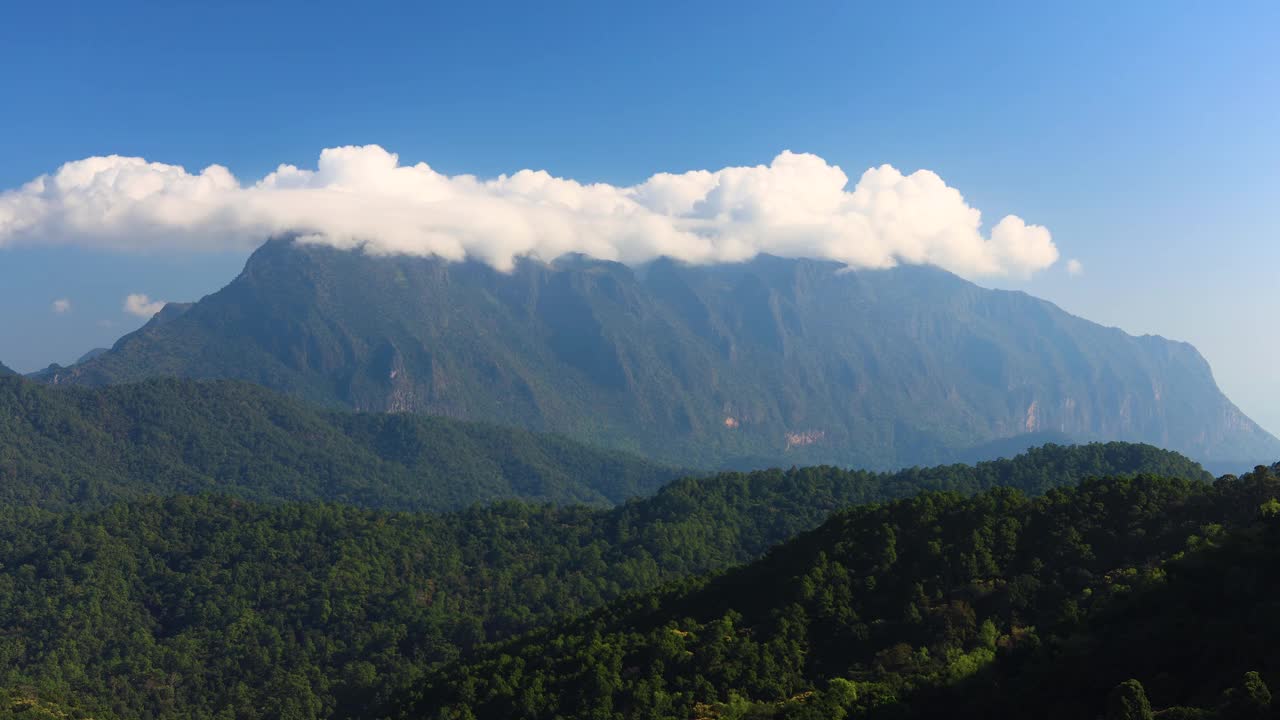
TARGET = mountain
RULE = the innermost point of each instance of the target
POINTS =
(62, 447)
(5, 371)
(995, 605)
(91, 355)
(771, 361)
(213, 607)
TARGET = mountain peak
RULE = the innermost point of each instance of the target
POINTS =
(775, 360)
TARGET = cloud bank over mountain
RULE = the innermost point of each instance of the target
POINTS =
(797, 206)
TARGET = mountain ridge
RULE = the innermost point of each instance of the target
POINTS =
(930, 606)
(785, 361)
(81, 447)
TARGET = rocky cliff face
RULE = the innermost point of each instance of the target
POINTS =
(777, 361)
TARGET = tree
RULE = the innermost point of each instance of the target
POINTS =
(1128, 701)
(1250, 700)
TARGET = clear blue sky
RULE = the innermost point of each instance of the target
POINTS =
(1145, 136)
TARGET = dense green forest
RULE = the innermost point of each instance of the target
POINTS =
(211, 606)
(1105, 600)
(72, 447)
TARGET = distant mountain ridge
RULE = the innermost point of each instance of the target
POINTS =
(4, 370)
(95, 352)
(82, 448)
(772, 361)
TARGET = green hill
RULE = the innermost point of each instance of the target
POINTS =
(4, 370)
(206, 607)
(996, 605)
(64, 447)
(767, 362)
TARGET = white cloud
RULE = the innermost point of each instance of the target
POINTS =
(142, 306)
(1074, 267)
(61, 306)
(798, 205)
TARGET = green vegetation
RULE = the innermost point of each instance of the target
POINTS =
(4, 370)
(210, 607)
(74, 447)
(26, 705)
(1113, 598)
(746, 365)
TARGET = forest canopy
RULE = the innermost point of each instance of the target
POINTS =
(213, 605)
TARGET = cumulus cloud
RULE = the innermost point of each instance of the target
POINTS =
(141, 305)
(61, 306)
(1074, 267)
(798, 205)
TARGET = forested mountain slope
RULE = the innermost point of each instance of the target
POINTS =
(64, 447)
(998, 605)
(215, 607)
(771, 361)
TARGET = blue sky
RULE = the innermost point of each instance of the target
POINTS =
(1142, 135)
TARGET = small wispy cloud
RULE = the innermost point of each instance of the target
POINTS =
(142, 305)
(61, 306)
(1074, 267)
